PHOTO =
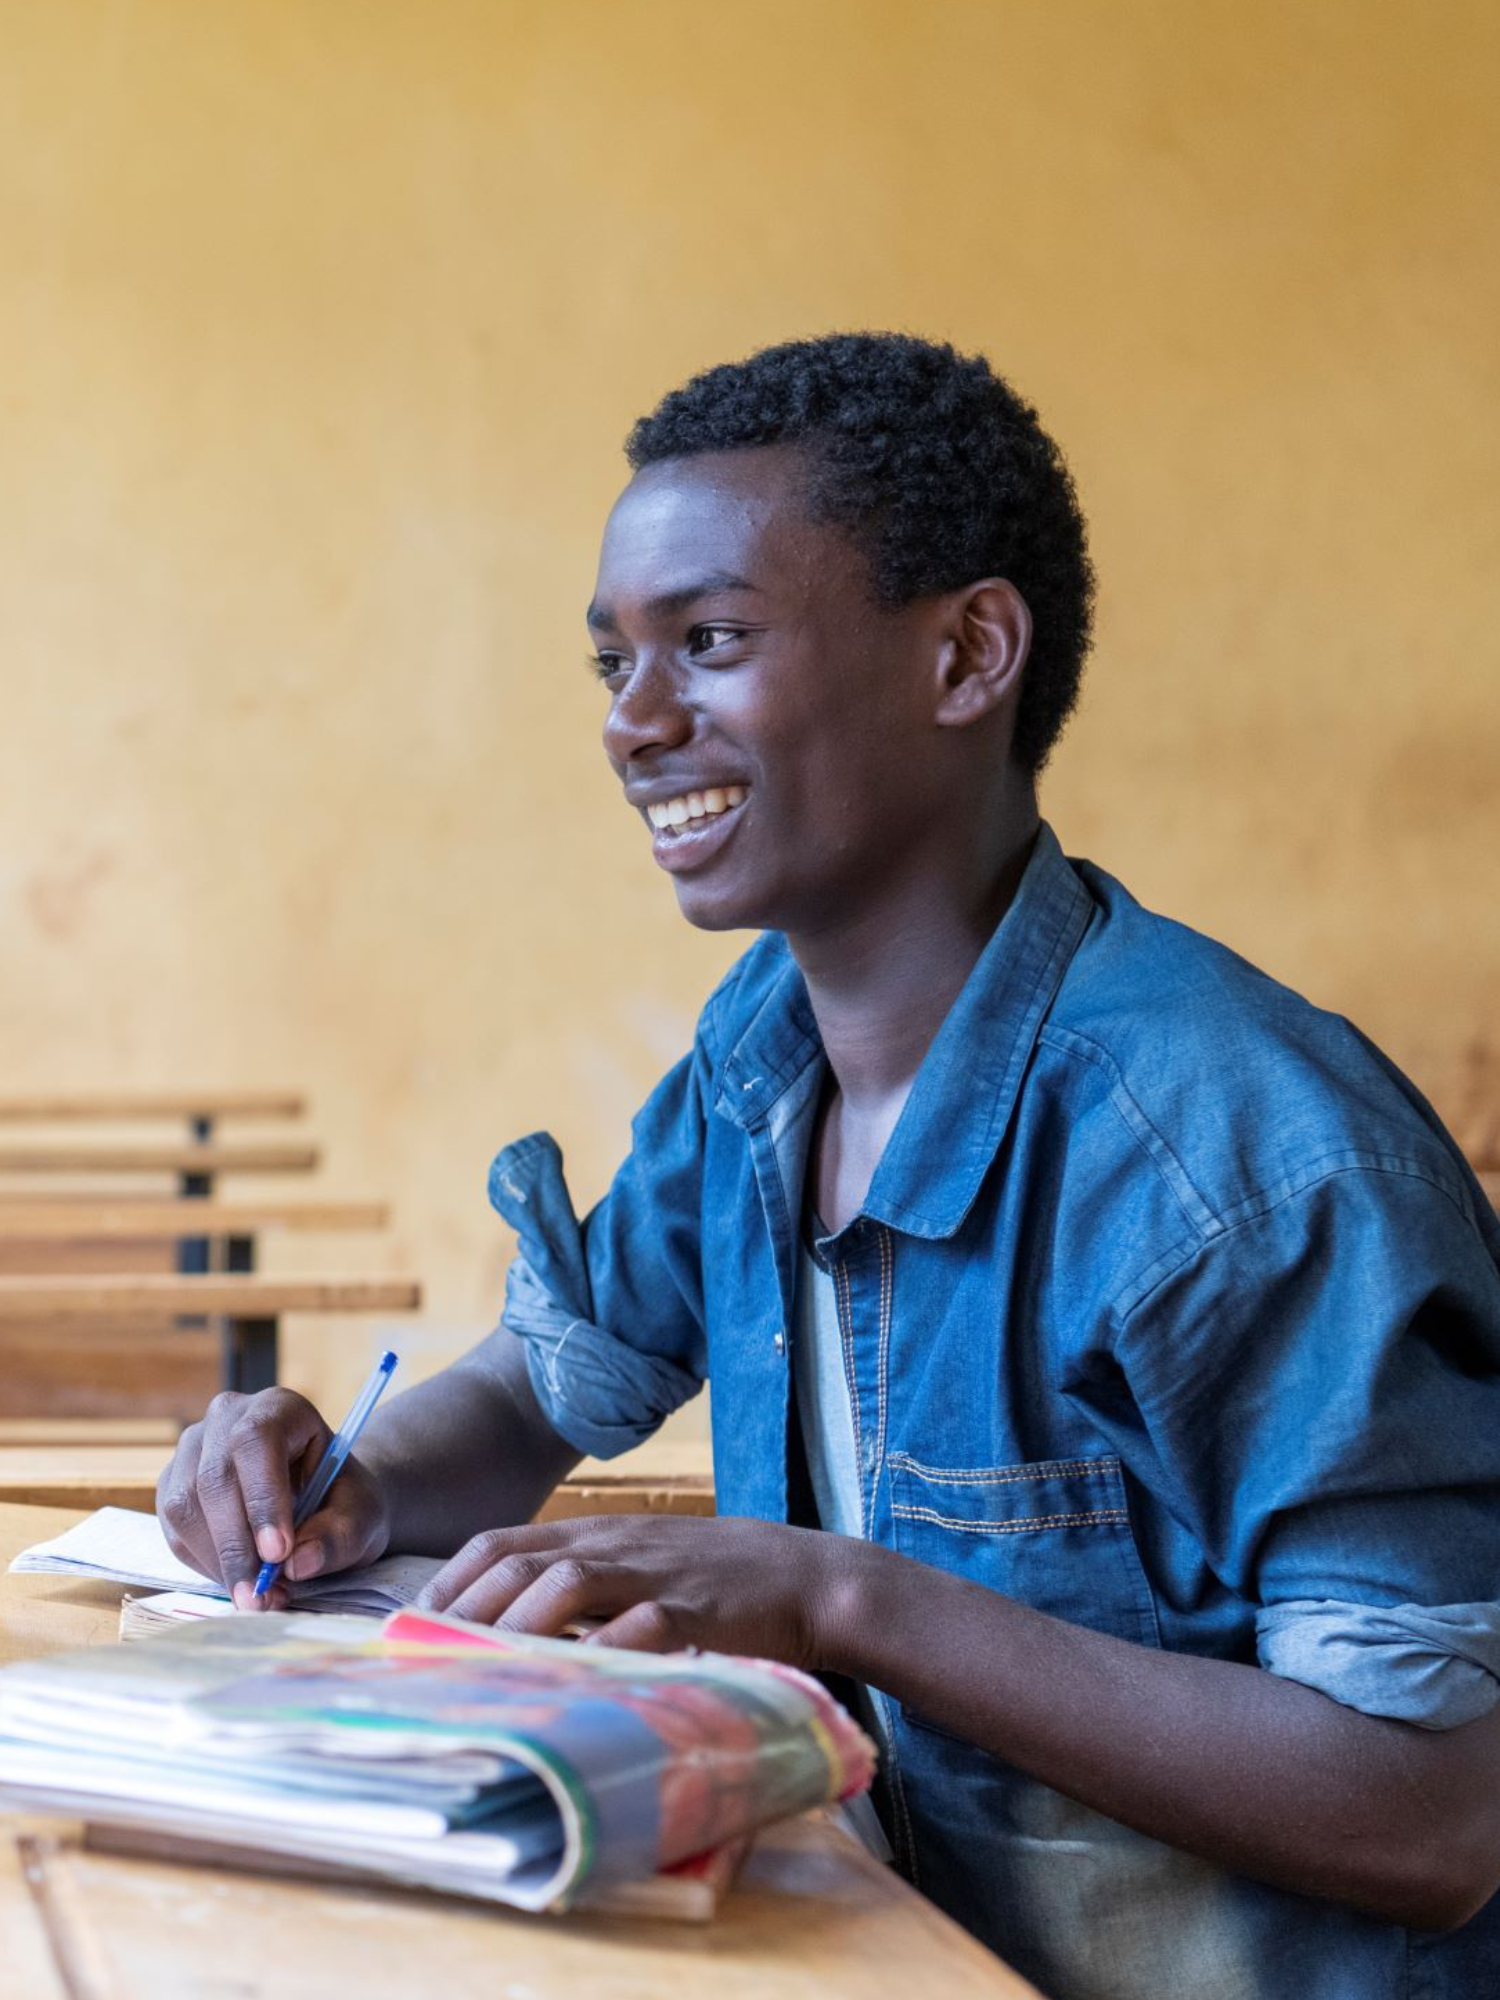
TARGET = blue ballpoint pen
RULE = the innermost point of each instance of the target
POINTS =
(331, 1464)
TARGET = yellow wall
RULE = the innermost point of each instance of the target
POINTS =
(321, 323)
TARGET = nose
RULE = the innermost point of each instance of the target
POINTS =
(649, 713)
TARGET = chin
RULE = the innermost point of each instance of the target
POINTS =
(707, 912)
(721, 904)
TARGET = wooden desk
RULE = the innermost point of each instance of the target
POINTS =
(122, 1474)
(120, 1235)
(43, 1311)
(107, 1106)
(655, 1478)
(82, 1477)
(34, 1431)
(812, 1914)
(230, 1295)
(202, 1161)
(31, 1220)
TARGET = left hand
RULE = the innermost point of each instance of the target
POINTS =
(659, 1583)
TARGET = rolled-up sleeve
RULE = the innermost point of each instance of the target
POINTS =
(610, 1309)
(1320, 1387)
(1433, 1666)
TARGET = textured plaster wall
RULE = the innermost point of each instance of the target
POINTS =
(320, 325)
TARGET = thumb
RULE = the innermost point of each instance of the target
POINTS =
(349, 1530)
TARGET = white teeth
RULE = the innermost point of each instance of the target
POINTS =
(695, 805)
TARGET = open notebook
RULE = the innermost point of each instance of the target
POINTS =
(119, 1546)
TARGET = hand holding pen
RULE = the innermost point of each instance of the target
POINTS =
(332, 1462)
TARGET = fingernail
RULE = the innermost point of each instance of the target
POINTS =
(243, 1595)
(305, 1562)
(271, 1542)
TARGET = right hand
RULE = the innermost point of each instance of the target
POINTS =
(225, 1501)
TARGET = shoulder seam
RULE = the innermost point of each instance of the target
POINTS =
(1197, 1210)
(1257, 1208)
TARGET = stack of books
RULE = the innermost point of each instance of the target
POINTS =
(535, 1772)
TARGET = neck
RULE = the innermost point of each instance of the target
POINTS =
(882, 980)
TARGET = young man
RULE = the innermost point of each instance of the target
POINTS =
(1103, 1341)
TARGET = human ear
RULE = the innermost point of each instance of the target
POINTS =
(983, 653)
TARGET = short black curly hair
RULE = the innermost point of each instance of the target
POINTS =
(938, 468)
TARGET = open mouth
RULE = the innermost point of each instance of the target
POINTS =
(692, 809)
(688, 832)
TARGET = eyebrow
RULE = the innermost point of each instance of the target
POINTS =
(717, 581)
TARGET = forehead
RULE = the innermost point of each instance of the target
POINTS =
(741, 514)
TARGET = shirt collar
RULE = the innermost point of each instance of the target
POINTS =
(966, 1089)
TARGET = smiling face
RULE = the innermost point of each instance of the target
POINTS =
(772, 724)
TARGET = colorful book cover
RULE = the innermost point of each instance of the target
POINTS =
(526, 1770)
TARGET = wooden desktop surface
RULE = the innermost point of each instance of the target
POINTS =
(99, 1471)
(812, 1914)
(37, 1300)
(35, 1221)
(145, 1104)
(234, 1157)
(88, 1430)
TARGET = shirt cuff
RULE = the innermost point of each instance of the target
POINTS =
(1433, 1665)
(598, 1392)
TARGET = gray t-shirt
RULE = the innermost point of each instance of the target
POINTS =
(827, 1420)
(823, 1399)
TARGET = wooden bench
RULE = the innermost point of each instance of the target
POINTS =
(121, 1234)
(198, 1163)
(812, 1913)
(124, 1236)
(196, 1167)
(105, 1345)
(200, 1110)
(133, 1219)
(85, 1432)
(195, 1164)
(107, 1107)
(84, 1477)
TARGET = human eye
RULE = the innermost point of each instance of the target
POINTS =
(709, 638)
(606, 667)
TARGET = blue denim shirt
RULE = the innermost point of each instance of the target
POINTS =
(1171, 1310)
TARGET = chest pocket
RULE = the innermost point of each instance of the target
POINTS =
(1055, 1535)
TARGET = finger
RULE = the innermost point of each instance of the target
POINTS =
(482, 1552)
(647, 1627)
(218, 1488)
(177, 1507)
(347, 1531)
(560, 1594)
(273, 1433)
